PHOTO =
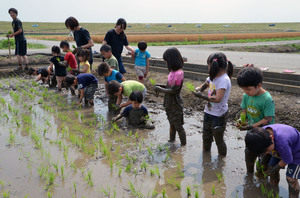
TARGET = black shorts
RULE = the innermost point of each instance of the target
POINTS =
(21, 48)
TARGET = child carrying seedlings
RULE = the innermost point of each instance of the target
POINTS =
(110, 74)
(215, 112)
(69, 58)
(282, 141)
(87, 85)
(59, 70)
(42, 74)
(125, 88)
(136, 113)
(110, 59)
(20, 40)
(141, 57)
(259, 108)
(173, 102)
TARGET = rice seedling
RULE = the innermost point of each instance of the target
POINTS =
(188, 191)
(220, 176)
(179, 172)
(144, 165)
(189, 87)
(12, 136)
(178, 185)
(50, 178)
(5, 194)
(73, 165)
(111, 165)
(128, 168)
(88, 178)
(160, 148)
(153, 81)
(6, 116)
(213, 190)
(164, 194)
(74, 185)
(49, 194)
(150, 152)
(196, 194)
(55, 165)
(135, 192)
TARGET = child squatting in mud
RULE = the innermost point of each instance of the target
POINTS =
(136, 113)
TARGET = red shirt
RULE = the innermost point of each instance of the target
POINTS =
(70, 58)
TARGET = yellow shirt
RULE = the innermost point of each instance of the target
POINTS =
(81, 64)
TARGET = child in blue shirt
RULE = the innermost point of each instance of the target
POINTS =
(136, 113)
(110, 74)
(141, 57)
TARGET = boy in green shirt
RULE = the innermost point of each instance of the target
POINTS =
(259, 108)
(125, 88)
(110, 59)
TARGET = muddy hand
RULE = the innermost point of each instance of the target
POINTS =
(200, 95)
(245, 128)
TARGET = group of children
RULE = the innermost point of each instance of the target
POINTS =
(276, 145)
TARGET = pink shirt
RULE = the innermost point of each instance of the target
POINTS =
(175, 78)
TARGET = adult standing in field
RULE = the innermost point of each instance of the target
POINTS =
(116, 38)
(20, 40)
(81, 36)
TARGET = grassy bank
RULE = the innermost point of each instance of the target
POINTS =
(4, 44)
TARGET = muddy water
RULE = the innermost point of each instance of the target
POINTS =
(44, 135)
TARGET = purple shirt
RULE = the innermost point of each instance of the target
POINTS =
(287, 142)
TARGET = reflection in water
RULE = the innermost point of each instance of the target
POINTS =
(213, 177)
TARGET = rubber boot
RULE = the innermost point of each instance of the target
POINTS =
(207, 136)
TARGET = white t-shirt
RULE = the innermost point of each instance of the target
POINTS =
(222, 82)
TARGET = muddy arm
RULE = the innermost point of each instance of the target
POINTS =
(202, 87)
(200, 95)
(172, 90)
(118, 117)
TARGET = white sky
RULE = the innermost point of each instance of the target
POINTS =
(155, 11)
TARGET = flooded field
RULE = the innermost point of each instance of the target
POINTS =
(49, 147)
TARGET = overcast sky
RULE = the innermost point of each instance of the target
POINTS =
(155, 11)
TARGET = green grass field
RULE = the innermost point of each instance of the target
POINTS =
(156, 28)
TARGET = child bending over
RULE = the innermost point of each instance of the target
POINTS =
(125, 88)
(280, 141)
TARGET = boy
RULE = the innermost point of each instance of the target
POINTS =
(281, 141)
(110, 59)
(43, 74)
(125, 88)
(20, 40)
(136, 113)
(59, 70)
(87, 85)
(141, 57)
(259, 108)
(110, 74)
(69, 58)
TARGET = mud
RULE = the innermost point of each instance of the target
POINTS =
(42, 129)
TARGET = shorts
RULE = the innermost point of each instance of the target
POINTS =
(121, 66)
(21, 48)
(90, 90)
(293, 171)
(140, 71)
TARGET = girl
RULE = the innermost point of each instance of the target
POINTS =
(173, 102)
(81, 36)
(116, 38)
(215, 112)
(84, 65)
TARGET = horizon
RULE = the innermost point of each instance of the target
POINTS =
(157, 11)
